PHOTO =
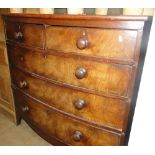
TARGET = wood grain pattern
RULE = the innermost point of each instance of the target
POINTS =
(77, 74)
(11, 28)
(102, 110)
(64, 125)
(78, 17)
(2, 34)
(76, 55)
(118, 44)
(104, 77)
(3, 54)
(5, 90)
(115, 22)
(32, 35)
(6, 99)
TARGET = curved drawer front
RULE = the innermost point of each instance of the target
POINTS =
(29, 34)
(102, 77)
(69, 130)
(108, 43)
(107, 111)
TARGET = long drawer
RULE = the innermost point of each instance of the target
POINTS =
(101, 110)
(66, 129)
(108, 43)
(28, 34)
(103, 77)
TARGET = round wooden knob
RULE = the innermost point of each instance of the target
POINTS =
(25, 109)
(80, 73)
(79, 104)
(21, 58)
(77, 135)
(23, 84)
(18, 35)
(82, 43)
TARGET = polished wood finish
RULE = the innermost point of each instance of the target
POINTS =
(75, 76)
(93, 21)
(97, 42)
(29, 34)
(80, 72)
(22, 84)
(64, 125)
(96, 75)
(80, 104)
(82, 43)
(102, 110)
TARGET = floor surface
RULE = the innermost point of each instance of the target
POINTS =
(22, 135)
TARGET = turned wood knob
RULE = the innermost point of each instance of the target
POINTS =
(80, 73)
(21, 58)
(25, 109)
(23, 84)
(18, 35)
(79, 104)
(77, 135)
(82, 43)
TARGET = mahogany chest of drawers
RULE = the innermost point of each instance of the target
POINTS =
(75, 78)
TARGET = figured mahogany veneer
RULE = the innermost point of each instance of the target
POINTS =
(66, 128)
(104, 77)
(29, 34)
(76, 77)
(100, 42)
(102, 110)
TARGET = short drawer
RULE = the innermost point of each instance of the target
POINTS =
(101, 110)
(108, 43)
(66, 129)
(29, 34)
(103, 77)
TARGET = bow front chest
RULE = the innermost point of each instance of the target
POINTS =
(75, 78)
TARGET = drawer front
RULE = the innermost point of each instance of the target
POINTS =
(11, 30)
(68, 130)
(107, 111)
(29, 34)
(107, 43)
(102, 77)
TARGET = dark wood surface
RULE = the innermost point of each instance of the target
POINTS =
(64, 70)
(74, 17)
(100, 110)
(116, 22)
(65, 128)
(29, 34)
(98, 41)
(75, 77)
